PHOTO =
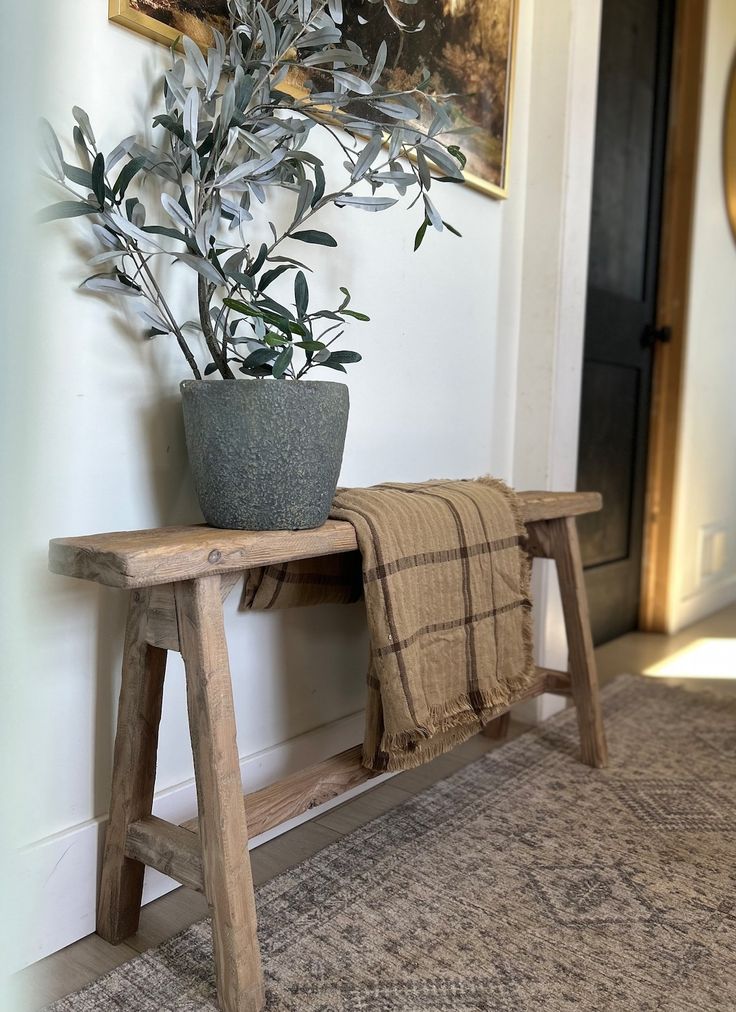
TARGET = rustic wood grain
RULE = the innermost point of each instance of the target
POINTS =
(326, 780)
(169, 554)
(134, 773)
(166, 555)
(168, 849)
(163, 628)
(538, 541)
(565, 549)
(548, 505)
(174, 606)
(498, 728)
(223, 829)
(298, 793)
(556, 682)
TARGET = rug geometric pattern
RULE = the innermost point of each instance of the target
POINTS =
(526, 882)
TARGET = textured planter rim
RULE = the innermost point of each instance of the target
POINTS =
(253, 381)
(265, 455)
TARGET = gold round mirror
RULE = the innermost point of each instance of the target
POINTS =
(729, 149)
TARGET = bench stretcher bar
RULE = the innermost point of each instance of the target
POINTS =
(175, 850)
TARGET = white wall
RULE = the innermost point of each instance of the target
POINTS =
(554, 273)
(19, 287)
(108, 449)
(706, 484)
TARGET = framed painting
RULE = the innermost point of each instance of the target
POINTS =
(165, 20)
(467, 46)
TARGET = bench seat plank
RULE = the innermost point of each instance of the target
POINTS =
(131, 559)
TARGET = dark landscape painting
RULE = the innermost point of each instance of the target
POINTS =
(466, 46)
(185, 17)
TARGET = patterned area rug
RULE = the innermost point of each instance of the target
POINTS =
(524, 882)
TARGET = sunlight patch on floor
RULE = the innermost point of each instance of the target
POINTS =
(709, 657)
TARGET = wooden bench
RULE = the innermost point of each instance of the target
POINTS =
(178, 578)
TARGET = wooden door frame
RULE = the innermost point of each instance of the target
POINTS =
(678, 206)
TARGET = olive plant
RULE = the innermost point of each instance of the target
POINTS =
(235, 127)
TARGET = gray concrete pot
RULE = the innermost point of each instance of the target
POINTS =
(265, 454)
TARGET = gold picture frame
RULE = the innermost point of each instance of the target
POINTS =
(729, 148)
(123, 13)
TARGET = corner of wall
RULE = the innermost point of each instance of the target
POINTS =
(561, 141)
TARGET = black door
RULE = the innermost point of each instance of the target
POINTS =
(636, 48)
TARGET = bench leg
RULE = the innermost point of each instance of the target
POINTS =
(222, 826)
(564, 548)
(134, 773)
(498, 729)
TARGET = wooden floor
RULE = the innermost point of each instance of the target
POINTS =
(636, 653)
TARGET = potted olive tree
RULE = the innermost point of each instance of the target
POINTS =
(233, 142)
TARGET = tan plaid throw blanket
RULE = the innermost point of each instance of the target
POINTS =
(446, 586)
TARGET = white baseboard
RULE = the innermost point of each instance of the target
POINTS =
(539, 709)
(61, 871)
(710, 598)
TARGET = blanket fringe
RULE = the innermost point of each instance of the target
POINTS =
(449, 725)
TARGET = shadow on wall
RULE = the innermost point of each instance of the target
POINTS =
(169, 479)
(298, 670)
(323, 650)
